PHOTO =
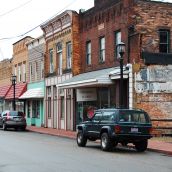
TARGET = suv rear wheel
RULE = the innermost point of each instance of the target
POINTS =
(81, 139)
(141, 146)
(106, 143)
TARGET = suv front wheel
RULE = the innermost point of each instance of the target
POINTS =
(81, 139)
(106, 143)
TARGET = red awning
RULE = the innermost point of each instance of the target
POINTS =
(20, 88)
(4, 90)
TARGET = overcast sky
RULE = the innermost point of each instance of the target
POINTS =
(20, 16)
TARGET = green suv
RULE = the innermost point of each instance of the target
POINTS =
(113, 126)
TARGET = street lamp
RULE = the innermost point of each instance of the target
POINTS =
(120, 53)
(13, 80)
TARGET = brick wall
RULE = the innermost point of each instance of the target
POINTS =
(20, 55)
(5, 72)
(69, 32)
(152, 84)
(103, 20)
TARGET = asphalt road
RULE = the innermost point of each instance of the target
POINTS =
(33, 152)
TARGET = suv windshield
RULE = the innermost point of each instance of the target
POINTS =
(16, 113)
(133, 116)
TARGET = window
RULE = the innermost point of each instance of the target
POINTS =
(30, 71)
(51, 61)
(108, 116)
(28, 109)
(164, 41)
(88, 52)
(49, 107)
(59, 56)
(42, 69)
(36, 71)
(49, 101)
(102, 49)
(19, 73)
(62, 107)
(36, 109)
(24, 72)
(117, 41)
(69, 55)
(133, 116)
(97, 116)
(15, 70)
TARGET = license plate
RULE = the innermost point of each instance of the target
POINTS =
(17, 119)
(134, 130)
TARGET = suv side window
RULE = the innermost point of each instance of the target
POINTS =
(108, 116)
(97, 116)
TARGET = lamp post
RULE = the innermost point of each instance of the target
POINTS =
(120, 53)
(13, 79)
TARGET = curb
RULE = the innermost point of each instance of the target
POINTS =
(160, 151)
(72, 137)
(51, 134)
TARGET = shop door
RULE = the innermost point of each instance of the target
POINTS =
(69, 113)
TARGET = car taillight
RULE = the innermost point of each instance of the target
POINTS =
(150, 130)
(117, 129)
(8, 117)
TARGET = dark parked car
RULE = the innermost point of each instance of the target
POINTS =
(12, 119)
(113, 126)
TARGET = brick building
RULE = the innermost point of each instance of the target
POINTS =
(62, 58)
(151, 28)
(19, 69)
(5, 72)
(145, 27)
(5, 81)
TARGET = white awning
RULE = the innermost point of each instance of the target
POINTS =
(115, 74)
(35, 93)
(94, 78)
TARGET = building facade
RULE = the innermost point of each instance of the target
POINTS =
(151, 56)
(101, 29)
(62, 58)
(19, 69)
(145, 28)
(5, 81)
(34, 96)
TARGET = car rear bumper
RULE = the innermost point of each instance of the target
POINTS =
(11, 124)
(131, 138)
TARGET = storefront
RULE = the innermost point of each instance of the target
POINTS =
(34, 103)
(3, 92)
(90, 99)
(20, 88)
(92, 90)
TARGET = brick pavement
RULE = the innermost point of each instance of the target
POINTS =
(153, 145)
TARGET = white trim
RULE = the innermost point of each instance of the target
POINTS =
(78, 82)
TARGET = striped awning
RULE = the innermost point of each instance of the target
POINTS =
(35, 93)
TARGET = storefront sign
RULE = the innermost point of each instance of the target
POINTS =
(86, 94)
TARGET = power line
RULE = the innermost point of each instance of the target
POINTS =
(21, 35)
(10, 11)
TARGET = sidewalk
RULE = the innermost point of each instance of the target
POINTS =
(153, 145)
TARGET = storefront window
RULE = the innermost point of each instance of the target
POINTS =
(36, 109)
(62, 107)
(28, 109)
(49, 107)
(103, 97)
